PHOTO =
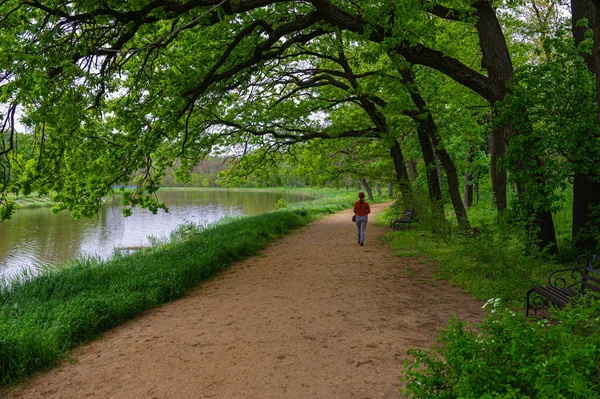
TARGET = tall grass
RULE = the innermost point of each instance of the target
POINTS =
(499, 261)
(42, 317)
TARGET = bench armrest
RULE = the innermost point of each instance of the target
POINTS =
(587, 260)
(574, 275)
(559, 278)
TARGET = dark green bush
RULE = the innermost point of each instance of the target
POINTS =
(508, 356)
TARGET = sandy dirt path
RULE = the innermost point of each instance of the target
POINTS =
(314, 315)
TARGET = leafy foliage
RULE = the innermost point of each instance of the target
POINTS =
(559, 130)
(508, 356)
(118, 93)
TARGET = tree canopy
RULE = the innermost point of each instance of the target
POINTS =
(113, 92)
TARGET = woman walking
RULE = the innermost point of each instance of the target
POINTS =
(361, 211)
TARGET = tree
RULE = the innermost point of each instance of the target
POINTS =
(586, 185)
(102, 83)
(318, 94)
(136, 94)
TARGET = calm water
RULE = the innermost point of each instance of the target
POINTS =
(35, 237)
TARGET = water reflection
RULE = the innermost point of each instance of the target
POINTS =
(37, 237)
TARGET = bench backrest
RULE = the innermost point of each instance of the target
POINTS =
(591, 281)
(409, 212)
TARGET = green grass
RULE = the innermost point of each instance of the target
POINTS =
(497, 263)
(43, 317)
(32, 201)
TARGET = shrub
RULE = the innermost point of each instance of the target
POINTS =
(281, 203)
(508, 356)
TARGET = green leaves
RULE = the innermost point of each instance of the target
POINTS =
(508, 356)
(7, 208)
(553, 106)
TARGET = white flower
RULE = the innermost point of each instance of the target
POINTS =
(495, 302)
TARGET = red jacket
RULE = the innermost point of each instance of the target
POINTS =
(362, 209)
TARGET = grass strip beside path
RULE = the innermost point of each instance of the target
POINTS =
(43, 317)
(491, 264)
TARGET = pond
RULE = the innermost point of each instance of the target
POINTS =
(35, 237)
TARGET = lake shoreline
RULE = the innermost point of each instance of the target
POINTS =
(25, 202)
(36, 236)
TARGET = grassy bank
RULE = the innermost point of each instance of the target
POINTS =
(498, 261)
(32, 201)
(43, 317)
(483, 266)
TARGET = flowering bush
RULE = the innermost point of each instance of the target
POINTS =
(508, 356)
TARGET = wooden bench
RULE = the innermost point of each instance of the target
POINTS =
(404, 221)
(565, 286)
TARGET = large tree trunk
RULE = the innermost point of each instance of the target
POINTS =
(584, 9)
(365, 184)
(585, 198)
(546, 234)
(497, 61)
(412, 169)
(401, 173)
(498, 149)
(437, 162)
(586, 186)
(433, 179)
(542, 223)
(468, 190)
(426, 123)
(451, 175)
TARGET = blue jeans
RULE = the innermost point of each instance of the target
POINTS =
(361, 225)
